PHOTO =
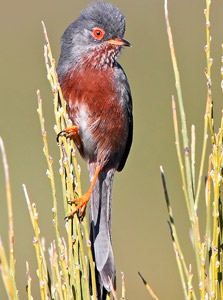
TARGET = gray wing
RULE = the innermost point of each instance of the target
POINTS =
(127, 97)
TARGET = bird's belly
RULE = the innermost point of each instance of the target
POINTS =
(103, 134)
(97, 107)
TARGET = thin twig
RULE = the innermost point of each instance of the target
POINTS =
(10, 220)
(186, 150)
(123, 286)
(29, 280)
(181, 108)
(183, 271)
(148, 287)
(9, 205)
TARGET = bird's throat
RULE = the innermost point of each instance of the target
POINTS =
(101, 57)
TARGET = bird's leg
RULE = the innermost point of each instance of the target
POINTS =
(85, 198)
(71, 132)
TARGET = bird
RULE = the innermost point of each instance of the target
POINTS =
(99, 105)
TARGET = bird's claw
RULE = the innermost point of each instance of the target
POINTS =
(61, 133)
(70, 132)
(82, 205)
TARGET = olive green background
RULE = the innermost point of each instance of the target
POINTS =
(141, 236)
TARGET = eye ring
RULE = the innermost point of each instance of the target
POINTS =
(98, 33)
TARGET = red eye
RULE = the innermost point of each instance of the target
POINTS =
(98, 33)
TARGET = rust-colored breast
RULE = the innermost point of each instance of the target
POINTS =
(94, 105)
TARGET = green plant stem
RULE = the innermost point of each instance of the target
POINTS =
(41, 261)
(208, 117)
(11, 267)
(180, 160)
(193, 146)
(189, 191)
(190, 287)
(123, 286)
(42, 269)
(208, 209)
(29, 280)
(203, 155)
(182, 112)
(183, 270)
(50, 171)
(153, 295)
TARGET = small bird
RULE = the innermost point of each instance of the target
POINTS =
(99, 104)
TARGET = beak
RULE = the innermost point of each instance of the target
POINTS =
(119, 42)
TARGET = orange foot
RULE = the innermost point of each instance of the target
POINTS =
(85, 198)
(82, 204)
(70, 132)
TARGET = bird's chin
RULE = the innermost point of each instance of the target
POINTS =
(101, 57)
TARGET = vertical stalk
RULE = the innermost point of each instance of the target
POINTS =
(189, 188)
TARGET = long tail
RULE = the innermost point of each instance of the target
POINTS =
(100, 220)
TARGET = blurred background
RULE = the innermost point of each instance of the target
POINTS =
(141, 236)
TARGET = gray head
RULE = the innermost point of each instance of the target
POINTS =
(94, 39)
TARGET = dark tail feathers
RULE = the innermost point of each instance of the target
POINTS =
(100, 220)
